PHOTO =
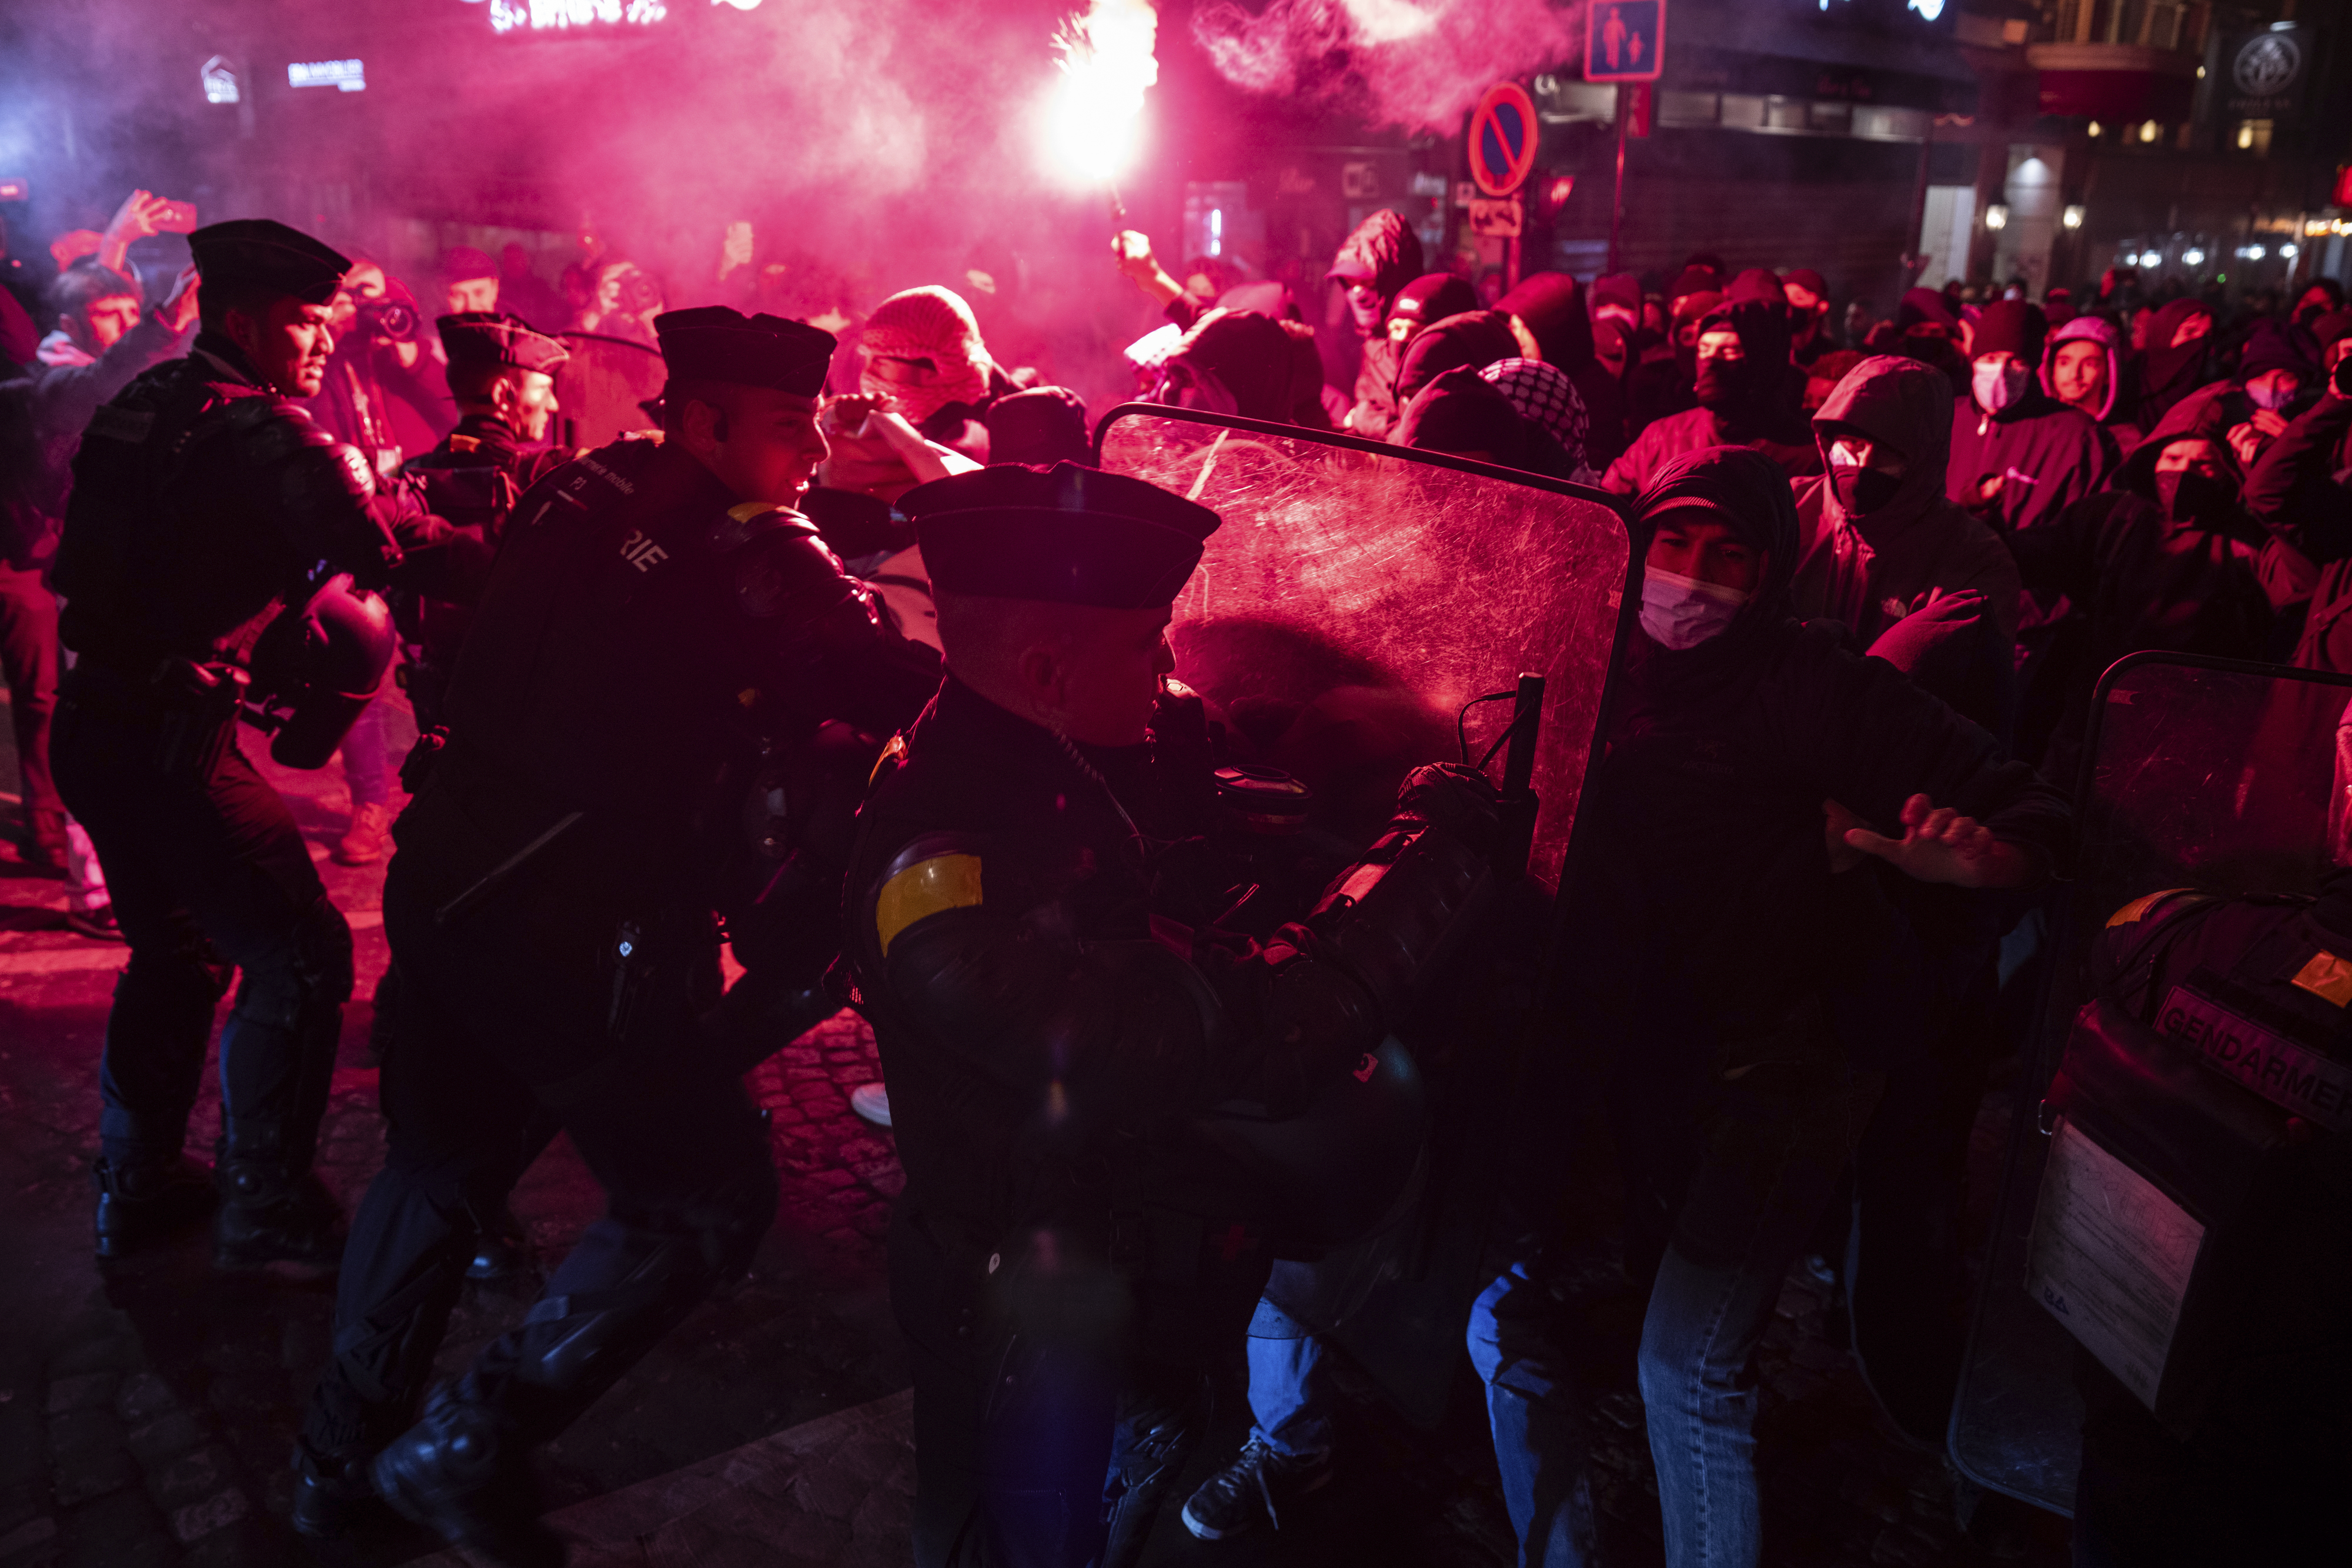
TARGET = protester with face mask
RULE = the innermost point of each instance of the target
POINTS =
(1375, 262)
(1697, 930)
(2167, 558)
(923, 352)
(1747, 391)
(2018, 455)
(2252, 407)
(1548, 312)
(2297, 491)
(1877, 538)
(1237, 362)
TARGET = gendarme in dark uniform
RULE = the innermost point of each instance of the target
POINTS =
(1070, 1252)
(654, 605)
(2246, 1004)
(204, 504)
(500, 372)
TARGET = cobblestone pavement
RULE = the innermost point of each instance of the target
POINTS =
(147, 1409)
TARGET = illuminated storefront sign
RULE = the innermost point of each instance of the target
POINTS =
(344, 76)
(562, 15)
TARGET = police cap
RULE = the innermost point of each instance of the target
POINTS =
(1065, 534)
(261, 252)
(495, 337)
(714, 343)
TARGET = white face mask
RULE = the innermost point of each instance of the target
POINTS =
(1997, 386)
(1682, 611)
(2271, 395)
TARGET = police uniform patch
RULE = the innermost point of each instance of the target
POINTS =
(2328, 977)
(2138, 907)
(927, 887)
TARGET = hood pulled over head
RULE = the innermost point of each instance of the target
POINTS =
(1897, 401)
(2086, 329)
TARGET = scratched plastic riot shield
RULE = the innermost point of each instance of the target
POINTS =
(1359, 595)
(2198, 772)
(1356, 598)
(599, 389)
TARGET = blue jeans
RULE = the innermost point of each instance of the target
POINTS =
(1290, 1389)
(1775, 1141)
(1541, 1445)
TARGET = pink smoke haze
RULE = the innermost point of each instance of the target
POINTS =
(1416, 64)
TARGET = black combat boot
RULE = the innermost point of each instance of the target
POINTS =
(456, 1472)
(330, 1492)
(138, 1202)
(499, 1247)
(267, 1218)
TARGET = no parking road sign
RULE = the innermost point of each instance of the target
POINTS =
(1503, 139)
(1624, 40)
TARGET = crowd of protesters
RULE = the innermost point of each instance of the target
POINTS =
(1997, 496)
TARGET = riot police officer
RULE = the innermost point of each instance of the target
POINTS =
(502, 376)
(206, 504)
(1073, 1243)
(655, 605)
(2232, 1022)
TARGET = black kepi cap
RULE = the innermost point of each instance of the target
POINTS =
(494, 337)
(714, 343)
(1067, 534)
(262, 252)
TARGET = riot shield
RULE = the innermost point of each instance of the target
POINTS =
(1360, 595)
(2198, 772)
(597, 391)
(1356, 599)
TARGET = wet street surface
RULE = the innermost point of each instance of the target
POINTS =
(148, 1407)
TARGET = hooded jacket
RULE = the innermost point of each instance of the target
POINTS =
(1475, 338)
(1765, 418)
(1241, 362)
(2046, 456)
(2114, 413)
(2166, 374)
(1383, 249)
(1463, 413)
(1425, 301)
(2300, 491)
(1703, 905)
(1550, 305)
(2147, 580)
(1870, 572)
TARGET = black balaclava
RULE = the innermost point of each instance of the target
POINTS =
(1738, 388)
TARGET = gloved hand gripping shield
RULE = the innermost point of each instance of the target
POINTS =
(1358, 607)
(2200, 773)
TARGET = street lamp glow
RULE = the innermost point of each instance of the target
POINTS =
(1996, 216)
(2192, 258)
(2072, 216)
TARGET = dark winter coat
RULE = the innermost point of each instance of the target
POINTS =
(1870, 571)
(1551, 307)
(1385, 246)
(1701, 911)
(2142, 579)
(1767, 419)
(2048, 457)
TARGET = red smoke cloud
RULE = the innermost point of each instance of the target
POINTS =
(1418, 64)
